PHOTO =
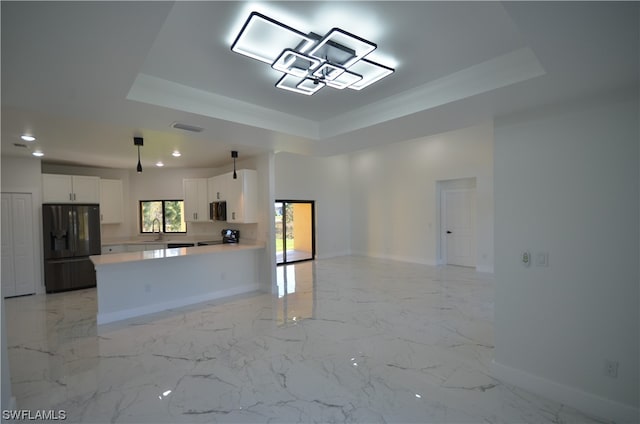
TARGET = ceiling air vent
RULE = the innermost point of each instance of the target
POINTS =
(186, 127)
(24, 146)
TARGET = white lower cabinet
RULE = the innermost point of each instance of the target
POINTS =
(121, 248)
(143, 247)
(113, 249)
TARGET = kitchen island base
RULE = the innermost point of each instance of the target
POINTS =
(140, 283)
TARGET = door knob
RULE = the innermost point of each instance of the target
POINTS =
(448, 232)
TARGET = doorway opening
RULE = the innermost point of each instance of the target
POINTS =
(295, 231)
(457, 200)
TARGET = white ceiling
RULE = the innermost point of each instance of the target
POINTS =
(86, 77)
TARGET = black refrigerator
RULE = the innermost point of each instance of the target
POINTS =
(71, 235)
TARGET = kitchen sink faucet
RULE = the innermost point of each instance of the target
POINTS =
(153, 226)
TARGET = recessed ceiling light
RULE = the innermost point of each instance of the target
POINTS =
(176, 154)
(159, 163)
(28, 137)
(37, 153)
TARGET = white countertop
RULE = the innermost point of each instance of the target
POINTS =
(117, 258)
(165, 240)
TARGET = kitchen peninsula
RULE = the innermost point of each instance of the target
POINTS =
(138, 283)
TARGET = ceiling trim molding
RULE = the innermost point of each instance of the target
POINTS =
(501, 71)
(161, 92)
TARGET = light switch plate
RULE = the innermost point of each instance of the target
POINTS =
(542, 259)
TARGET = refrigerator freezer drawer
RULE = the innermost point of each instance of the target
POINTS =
(69, 274)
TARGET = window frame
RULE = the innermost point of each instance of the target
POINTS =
(164, 230)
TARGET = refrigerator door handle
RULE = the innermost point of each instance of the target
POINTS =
(75, 231)
(72, 233)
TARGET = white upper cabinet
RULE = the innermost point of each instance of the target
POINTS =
(242, 197)
(196, 205)
(70, 189)
(111, 201)
(218, 188)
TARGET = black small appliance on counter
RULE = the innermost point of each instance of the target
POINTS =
(230, 236)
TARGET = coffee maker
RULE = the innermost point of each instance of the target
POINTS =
(230, 236)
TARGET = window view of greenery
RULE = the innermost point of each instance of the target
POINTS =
(284, 211)
(169, 213)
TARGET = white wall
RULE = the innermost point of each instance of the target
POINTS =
(22, 175)
(8, 401)
(264, 230)
(566, 183)
(394, 196)
(324, 180)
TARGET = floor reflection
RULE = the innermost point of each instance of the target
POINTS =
(296, 292)
(293, 255)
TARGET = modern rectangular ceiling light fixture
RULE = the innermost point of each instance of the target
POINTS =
(309, 61)
(328, 71)
(341, 47)
(294, 63)
(264, 39)
(305, 86)
(371, 72)
(345, 79)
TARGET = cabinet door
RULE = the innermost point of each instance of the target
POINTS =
(234, 198)
(195, 200)
(86, 189)
(56, 189)
(242, 197)
(220, 187)
(111, 201)
(113, 249)
(212, 194)
(136, 248)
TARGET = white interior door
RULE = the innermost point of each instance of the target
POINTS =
(458, 226)
(8, 275)
(18, 250)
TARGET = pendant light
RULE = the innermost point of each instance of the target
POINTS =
(138, 141)
(234, 155)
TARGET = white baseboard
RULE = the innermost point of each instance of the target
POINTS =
(399, 258)
(332, 255)
(177, 303)
(485, 268)
(587, 403)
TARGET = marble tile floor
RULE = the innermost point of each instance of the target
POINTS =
(348, 339)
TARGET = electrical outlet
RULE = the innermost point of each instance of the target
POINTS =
(526, 258)
(611, 368)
